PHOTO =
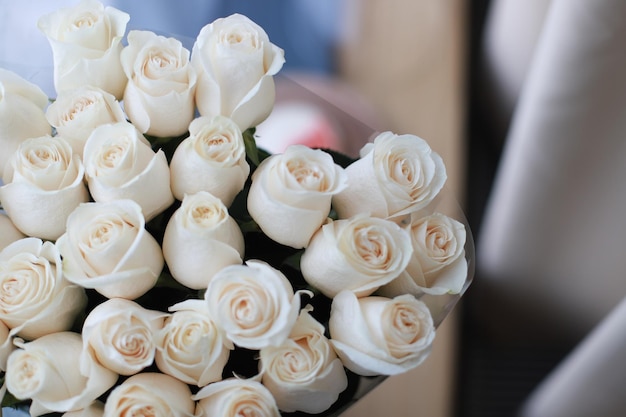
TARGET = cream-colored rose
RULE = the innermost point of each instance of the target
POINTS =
(438, 265)
(397, 174)
(378, 335)
(254, 304)
(86, 45)
(44, 183)
(95, 409)
(120, 335)
(47, 371)
(191, 347)
(150, 394)
(159, 98)
(77, 112)
(6, 347)
(106, 247)
(8, 232)
(236, 62)
(212, 158)
(33, 289)
(120, 164)
(359, 254)
(291, 193)
(200, 239)
(304, 373)
(22, 113)
(234, 398)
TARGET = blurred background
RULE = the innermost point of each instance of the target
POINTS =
(526, 103)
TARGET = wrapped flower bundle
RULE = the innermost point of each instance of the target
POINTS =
(155, 261)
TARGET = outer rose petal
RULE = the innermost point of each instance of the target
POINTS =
(8, 232)
(22, 115)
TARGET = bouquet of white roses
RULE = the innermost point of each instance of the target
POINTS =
(155, 261)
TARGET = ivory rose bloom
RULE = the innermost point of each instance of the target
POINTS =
(120, 335)
(254, 304)
(378, 335)
(234, 398)
(44, 183)
(46, 370)
(212, 158)
(22, 113)
(159, 96)
(291, 193)
(396, 174)
(236, 62)
(86, 45)
(190, 346)
(106, 247)
(150, 394)
(120, 164)
(33, 289)
(303, 373)
(8, 232)
(438, 265)
(77, 112)
(200, 239)
(359, 254)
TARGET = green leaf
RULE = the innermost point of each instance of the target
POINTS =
(252, 152)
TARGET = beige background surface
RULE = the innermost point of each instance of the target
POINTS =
(407, 58)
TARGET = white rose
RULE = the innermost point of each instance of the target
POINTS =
(44, 183)
(33, 289)
(234, 398)
(397, 174)
(304, 373)
(120, 335)
(77, 112)
(254, 304)
(236, 62)
(8, 232)
(200, 239)
(159, 96)
(120, 164)
(378, 335)
(47, 371)
(438, 265)
(291, 193)
(212, 158)
(191, 347)
(95, 409)
(22, 114)
(86, 45)
(150, 394)
(359, 254)
(106, 247)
